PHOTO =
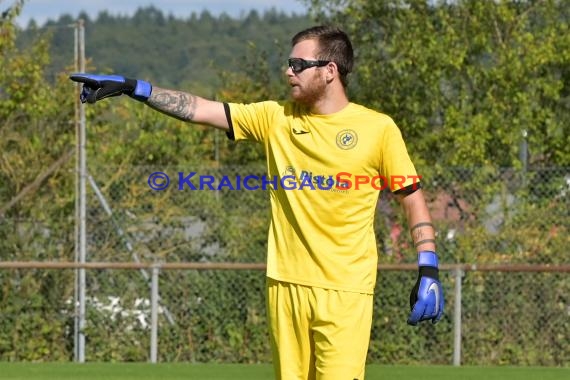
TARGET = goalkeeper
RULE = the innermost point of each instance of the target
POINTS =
(322, 253)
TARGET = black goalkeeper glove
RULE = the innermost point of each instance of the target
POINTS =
(97, 87)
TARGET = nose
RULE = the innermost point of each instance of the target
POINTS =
(289, 71)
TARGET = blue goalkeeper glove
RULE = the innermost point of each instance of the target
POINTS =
(426, 298)
(97, 87)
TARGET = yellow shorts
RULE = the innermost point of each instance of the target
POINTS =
(318, 334)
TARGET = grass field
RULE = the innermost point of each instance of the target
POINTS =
(107, 371)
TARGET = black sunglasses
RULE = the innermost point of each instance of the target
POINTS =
(299, 64)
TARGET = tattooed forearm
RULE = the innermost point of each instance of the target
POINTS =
(177, 104)
(423, 233)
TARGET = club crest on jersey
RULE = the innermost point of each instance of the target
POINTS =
(346, 139)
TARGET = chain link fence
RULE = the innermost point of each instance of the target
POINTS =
(483, 217)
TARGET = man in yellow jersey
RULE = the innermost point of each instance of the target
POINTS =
(329, 158)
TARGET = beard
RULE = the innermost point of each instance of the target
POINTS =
(308, 94)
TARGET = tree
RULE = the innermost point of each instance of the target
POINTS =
(467, 81)
(36, 197)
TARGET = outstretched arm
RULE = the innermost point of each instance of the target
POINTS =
(188, 107)
(178, 104)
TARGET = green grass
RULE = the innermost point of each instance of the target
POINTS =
(108, 371)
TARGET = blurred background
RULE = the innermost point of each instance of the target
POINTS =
(479, 89)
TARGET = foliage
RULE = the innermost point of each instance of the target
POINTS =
(173, 51)
(467, 81)
(452, 75)
(27, 106)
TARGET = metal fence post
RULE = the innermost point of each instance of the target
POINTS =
(154, 314)
(458, 274)
(82, 203)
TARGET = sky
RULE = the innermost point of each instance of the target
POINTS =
(42, 10)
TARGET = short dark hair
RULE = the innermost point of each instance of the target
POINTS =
(334, 45)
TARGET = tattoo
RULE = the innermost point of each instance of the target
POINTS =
(178, 104)
(418, 233)
(424, 242)
(422, 224)
(422, 236)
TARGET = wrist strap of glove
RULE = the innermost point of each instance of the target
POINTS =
(428, 264)
(137, 89)
(427, 259)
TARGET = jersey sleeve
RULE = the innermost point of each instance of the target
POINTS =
(250, 121)
(395, 163)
